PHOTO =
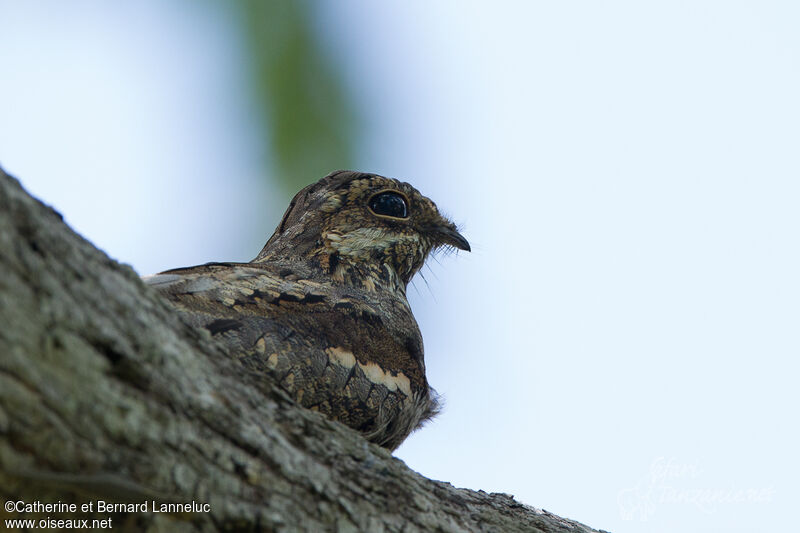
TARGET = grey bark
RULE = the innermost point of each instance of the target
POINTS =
(106, 395)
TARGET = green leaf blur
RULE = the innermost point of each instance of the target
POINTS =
(303, 106)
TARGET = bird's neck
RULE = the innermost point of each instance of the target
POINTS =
(371, 276)
(325, 265)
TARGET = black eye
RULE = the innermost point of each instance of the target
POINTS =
(389, 204)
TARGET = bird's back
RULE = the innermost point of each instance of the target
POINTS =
(353, 355)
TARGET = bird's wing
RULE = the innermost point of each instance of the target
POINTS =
(330, 348)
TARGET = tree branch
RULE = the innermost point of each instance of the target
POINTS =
(106, 395)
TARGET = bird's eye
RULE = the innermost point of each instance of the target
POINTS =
(390, 204)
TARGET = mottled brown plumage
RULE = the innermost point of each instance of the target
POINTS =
(322, 308)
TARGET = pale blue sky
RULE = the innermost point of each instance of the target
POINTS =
(621, 345)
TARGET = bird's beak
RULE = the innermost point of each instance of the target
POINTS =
(449, 235)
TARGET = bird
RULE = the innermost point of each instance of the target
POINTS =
(322, 309)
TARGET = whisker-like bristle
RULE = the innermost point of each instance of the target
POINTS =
(427, 284)
(413, 284)
(433, 271)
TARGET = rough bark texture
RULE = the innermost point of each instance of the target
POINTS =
(106, 395)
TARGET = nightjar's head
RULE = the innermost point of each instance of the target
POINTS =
(352, 219)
